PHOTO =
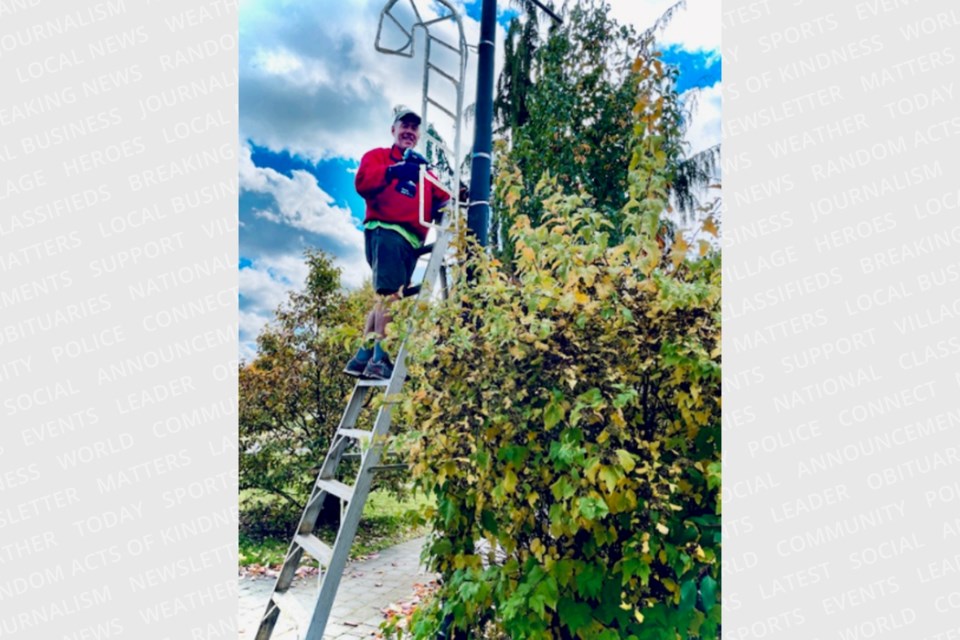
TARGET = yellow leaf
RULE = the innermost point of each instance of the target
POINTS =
(626, 460)
(679, 251)
(510, 481)
(609, 477)
(537, 548)
(710, 227)
(592, 471)
(662, 529)
(528, 254)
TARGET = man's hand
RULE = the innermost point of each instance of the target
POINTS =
(404, 172)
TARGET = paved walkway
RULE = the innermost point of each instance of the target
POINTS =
(366, 588)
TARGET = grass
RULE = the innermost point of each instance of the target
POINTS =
(385, 522)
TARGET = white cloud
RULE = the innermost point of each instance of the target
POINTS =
(268, 281)
(301, 203)
(250, 326)
(704, 130)
(250, 323)
(277, 61)
(696, 27)
(313, 83)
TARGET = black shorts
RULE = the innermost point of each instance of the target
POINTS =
(391, 257)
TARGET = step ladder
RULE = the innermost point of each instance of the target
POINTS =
(332, 560)
(450, 72)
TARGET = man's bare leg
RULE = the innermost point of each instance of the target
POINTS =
(370, 326)
(382, 314)
(380, 366)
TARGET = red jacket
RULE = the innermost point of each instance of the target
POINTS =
(384, 202)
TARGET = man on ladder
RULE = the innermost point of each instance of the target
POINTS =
(395, 185)
(393, 234)
(403, 200)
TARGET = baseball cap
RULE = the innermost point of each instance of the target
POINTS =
(403, 112)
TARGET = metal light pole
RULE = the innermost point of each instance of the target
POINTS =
(478, 215)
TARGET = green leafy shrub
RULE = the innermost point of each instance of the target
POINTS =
(566, 411)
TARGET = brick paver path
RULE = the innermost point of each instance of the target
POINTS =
(366, 588)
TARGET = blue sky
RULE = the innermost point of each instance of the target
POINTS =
(315, 95)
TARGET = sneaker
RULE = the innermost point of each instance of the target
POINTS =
(358, 362)
(381, 369)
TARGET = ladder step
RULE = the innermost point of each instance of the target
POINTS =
(372, 383)
(446, 44)
(443, 73)
(315, 547)
(357, 434)
(389, 467)
(290, 606)
(336, 488)
(441, 107)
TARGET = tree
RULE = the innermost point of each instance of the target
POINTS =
(565, 410)
(564, 109)
(515, 81)
(292, 394)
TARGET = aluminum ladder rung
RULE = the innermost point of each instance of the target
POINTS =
(336, 488)
(445, 44)
(443, 73)
(372, 383)
(389, 467)
(316, 547)
(356, 434)
(290, 606)
(441, 107)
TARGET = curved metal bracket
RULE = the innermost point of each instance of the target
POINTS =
(407, 49)
(385, 13)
